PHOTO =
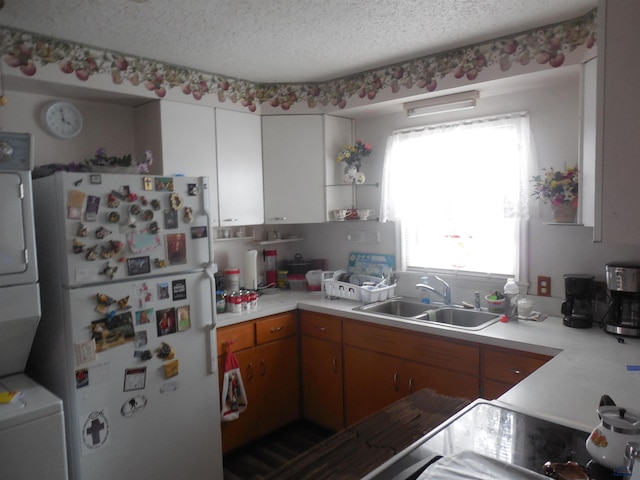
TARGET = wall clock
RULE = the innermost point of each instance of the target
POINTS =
(61, 119)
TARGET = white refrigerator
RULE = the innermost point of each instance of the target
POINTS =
(127, 336)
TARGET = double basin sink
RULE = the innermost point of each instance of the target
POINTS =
(449, 315)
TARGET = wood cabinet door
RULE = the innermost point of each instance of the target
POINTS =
(371, 382)
(277, 373)
(322, 394)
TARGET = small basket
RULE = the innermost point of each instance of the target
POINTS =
(495, 305)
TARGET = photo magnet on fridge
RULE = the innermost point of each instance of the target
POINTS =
(138, 265)
(135, 378)
(166, 321)
(170, 219)
(184, 318)
(198, 232)
(91, 213)
(176, 248)
(179, 289)
(163, 290)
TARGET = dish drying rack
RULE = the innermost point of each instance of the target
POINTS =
(368, 293)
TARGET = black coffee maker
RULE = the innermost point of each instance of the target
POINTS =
(578, 305)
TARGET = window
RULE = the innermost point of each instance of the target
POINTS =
(459, 192)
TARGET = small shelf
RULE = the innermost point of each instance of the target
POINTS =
(564, 224)
(353, 185)
(231, 239)
(281, 240)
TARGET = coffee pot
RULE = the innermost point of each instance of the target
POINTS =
(608, 441)
(578, 307)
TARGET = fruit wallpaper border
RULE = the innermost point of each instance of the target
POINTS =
(546, 46)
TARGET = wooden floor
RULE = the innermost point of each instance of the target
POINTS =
(259, 459)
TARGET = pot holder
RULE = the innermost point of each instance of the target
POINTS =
(234, 397)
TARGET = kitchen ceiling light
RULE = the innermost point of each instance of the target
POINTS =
(446, 103)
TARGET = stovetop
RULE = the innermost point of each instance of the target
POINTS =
(498, 433)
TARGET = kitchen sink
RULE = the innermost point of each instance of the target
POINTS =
(457, 317)
(398, 307)
(410, 309)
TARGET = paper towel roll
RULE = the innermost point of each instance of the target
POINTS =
(250, 272)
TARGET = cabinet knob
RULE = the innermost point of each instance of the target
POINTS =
(395, 382)
(411, 385)
(250, 371)
(279, 219)
(335, 365)
(263, 368)
(230, 220)
(276, 329)
(516, 371)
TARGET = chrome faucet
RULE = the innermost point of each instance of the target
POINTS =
(446, 289)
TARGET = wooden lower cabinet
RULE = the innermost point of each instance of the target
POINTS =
(322, 369)
(270, 368)
(384, 364)
(504, 368)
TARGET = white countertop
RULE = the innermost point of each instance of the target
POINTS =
(587, 363)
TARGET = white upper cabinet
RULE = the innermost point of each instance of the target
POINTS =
(295, 151)
(618, 117)
(180, 137)
(239, 153)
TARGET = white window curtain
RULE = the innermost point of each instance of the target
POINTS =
(460, 193)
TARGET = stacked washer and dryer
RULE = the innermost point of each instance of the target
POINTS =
(32, 442)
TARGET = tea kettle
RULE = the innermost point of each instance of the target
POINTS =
(618, 426)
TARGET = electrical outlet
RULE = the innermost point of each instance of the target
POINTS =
(544, 286)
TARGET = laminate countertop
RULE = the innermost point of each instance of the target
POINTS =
(587, 363)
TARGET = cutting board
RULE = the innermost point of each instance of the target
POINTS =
(372, 264)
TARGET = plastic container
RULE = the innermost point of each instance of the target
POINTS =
(297, 282)
(221, 302)
(232, 279)
(511, 292)
(494, 305)
(424, 293)
(525, 308)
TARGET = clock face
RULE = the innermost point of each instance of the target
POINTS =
(61, 119)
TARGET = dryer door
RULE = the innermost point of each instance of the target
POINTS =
(17, 246)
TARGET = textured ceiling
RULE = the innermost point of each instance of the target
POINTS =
(284, 40)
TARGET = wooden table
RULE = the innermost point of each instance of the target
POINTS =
(357, 450)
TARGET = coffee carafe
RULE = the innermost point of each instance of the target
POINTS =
(578, 305)
(623, 282)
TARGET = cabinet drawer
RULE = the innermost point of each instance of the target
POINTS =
(276, 327)
(510, 366)
(241, 336)
(318, 325)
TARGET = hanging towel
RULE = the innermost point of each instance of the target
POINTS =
(234, 397)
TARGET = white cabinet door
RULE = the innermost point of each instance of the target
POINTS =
(239, 148)
(298, 152)
(180, 137)
(618, 142)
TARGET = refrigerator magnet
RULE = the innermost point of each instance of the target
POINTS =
(171, 368)
(198, 232)
(133, 405)
(135, 378)
(177, 248)
(147, 184)
(184, 318)
(166, 321)
(95, 430)
(179, 289)
(193, 189)
(138, 265)
(170, 219)
(86, 351)
(164, 184)
(141, 338)
(74, 204)
(144, 316)
(91, 213)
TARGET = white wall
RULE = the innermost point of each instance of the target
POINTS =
(105, 125)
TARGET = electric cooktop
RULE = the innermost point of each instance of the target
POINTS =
(500, 434)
